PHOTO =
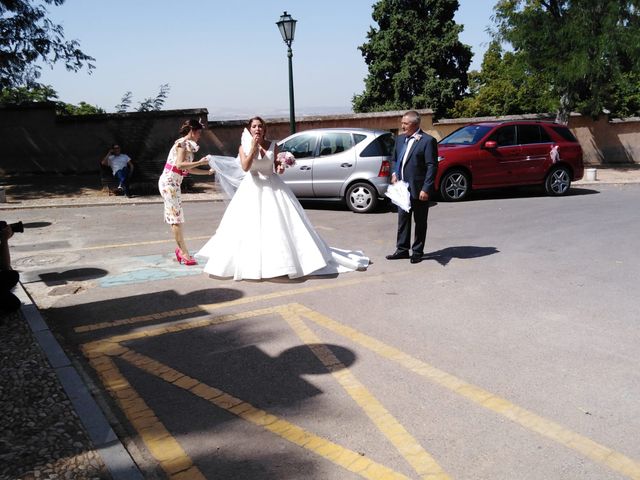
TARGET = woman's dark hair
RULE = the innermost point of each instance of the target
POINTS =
(260, 119)
(189, 125)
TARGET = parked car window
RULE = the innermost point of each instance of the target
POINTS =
(380, 147)
(466, 135)
(528, 134)
(335, 142)
(302, 146)
(358, 137)
(505, 136)
(564, 132)
(544, 136)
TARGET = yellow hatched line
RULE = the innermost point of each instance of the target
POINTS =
(172, 458)
(132, 244)
(547, 428)
(211, 307)
(404, 442)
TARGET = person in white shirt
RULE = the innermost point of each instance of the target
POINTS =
(121, 166)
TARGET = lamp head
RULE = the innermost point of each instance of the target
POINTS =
(287, 27)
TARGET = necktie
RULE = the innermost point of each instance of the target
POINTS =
(400, 158)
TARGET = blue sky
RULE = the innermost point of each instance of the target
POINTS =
(228, 56)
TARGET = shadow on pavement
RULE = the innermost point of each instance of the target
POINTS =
(523, 192)
(259, 360)
(444, 256)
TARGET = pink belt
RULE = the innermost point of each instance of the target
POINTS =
(175, 169)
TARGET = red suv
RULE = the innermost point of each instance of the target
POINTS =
(508, 153)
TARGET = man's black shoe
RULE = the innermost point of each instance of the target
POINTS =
(416, 258)
(397, 255)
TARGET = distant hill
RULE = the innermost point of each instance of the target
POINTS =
(221, 113)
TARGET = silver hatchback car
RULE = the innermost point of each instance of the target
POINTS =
(349, 164)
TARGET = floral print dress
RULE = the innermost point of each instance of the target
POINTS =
(171, 179)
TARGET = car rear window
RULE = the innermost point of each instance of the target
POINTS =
(564, 132)
(381, 146)
(466, 135)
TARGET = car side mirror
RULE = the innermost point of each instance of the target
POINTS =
(491, 144)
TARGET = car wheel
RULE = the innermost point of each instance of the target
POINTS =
(558, 181)
(361, 197)
(455, 186)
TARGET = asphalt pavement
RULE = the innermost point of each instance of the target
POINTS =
(94, 449)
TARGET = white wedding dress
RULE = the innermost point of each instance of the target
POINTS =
(265, 233)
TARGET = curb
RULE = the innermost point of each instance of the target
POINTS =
(115, 457)
(103, 204)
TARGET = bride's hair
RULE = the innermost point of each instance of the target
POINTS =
(189, 125)
(264, 124)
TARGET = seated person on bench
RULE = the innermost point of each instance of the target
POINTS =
(121, 166)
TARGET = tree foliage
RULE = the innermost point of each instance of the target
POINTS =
(504, 86)
(149, 104)
(414, 57)
(155, 103)
(125, 103)
(28, 36)
(46, 93)
(18, 95)
(583, 49)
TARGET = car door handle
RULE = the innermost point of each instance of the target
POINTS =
(305, 167)
(346, 165)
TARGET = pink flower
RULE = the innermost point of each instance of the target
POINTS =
(286, 159)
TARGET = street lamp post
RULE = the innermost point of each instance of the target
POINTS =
(287, 27)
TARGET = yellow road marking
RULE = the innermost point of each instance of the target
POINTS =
(133, 244)
(531, 421)
(172, 458)
(344, 457)
(210, 307)
(404, 442)
(554, 431)
(165, 448)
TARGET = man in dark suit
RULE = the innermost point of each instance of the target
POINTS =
(415, 160)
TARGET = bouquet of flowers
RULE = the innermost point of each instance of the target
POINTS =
(286, 159)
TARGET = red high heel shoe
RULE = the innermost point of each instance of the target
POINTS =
(181, 259)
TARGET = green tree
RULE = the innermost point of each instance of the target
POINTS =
(28, 36)
(155, 103)
(149, 104)
(46, 93)
(83, 108)
(582, 48)
(414, 57)
(17, 95)
(504, 86)
(626, 95)
(125, 103)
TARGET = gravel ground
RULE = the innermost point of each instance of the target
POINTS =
(41, 436)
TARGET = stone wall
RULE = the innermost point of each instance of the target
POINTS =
(36, 140)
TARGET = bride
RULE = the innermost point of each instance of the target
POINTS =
(265, 232)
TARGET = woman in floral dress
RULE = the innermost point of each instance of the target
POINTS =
(179, 164)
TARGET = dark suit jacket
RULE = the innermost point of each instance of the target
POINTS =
(421, 166)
